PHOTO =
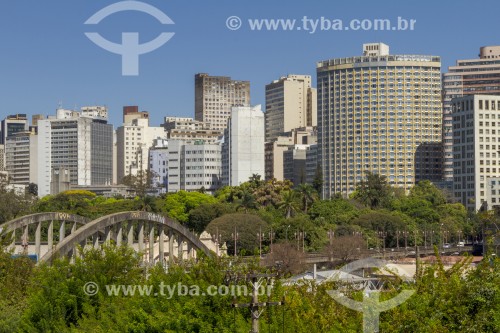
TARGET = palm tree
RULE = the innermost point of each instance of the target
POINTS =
(247, 201)
(307, 195)
(289, 203)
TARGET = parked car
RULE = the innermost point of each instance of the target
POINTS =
(460, 244)
(446, 246)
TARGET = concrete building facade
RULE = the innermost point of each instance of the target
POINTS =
(21, 158)
(215, 96)
(467, 77)
(188, 129)
(374, 112)
(291, 103)
(476, 149)
(13, 124)
(194, 165)
(274, 150)
(83, 145)
(158, 163)
(132, 146)
(243, 147)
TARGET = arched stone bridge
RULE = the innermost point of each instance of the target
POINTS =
(159, 238)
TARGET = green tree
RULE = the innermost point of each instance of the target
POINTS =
(335, 211)
(245, 225)
(178, 205)
(289, 203)
(247, 201)
(318, 180)
(202, 215)
(373, 191)
(428, 191)
(307, 195)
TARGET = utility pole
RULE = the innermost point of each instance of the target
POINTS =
(256, 307)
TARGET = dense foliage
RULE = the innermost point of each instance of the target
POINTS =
(52, 298)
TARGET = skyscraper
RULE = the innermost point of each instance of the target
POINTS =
(476, 150)
(214, 97)
(467, 77)
(290, 103)
(78, 143)
(374, 112)
(243, 147)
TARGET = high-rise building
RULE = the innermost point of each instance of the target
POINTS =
(21, 151)
(193, 165)
(476, 149)
(82, 145)
(290, 103)
(243, 148)
(215, 96)
(11, 125)
(188, 129)
(374, 112)
(467, 77)
(133, 141)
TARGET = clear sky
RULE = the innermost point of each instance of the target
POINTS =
(45, 58)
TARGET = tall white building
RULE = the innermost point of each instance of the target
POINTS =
(132, 146)
(476, 149)
(467, 77)
(243, 148)
(290, 103)
(193, 165)
(83, 145)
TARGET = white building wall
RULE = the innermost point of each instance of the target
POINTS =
(44, 157)
(244, 145)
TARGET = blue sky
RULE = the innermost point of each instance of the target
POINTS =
(45, 58)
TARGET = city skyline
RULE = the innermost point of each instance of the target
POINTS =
(66, 67)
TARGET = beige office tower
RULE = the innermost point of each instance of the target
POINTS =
(215, 96)
(290, 103)
(467, 77)
(379, 113)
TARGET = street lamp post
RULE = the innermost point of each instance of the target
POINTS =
(235, 237)
(260, 236)
(286, 232)
(383, 234)
(303, 241)
(330, 234)
(271, 237)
